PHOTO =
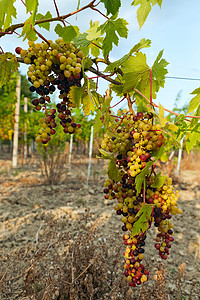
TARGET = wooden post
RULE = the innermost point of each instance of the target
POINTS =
(70, 148)
(90, 154)
(25, 129)
(16, 124)
(179, 157)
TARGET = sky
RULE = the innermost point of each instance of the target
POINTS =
(174, 28)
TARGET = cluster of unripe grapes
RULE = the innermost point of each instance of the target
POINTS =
(134, 141)
(53, 65)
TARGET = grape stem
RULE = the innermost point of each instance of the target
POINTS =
(129, 103)
(92, 7)
(117, 103)
(40, 35)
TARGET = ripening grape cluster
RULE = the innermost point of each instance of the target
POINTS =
(133, 142)
(53, 65)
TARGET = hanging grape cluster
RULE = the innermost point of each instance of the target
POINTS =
(134, 142)
(53, 65)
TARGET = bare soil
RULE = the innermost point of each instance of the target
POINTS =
(25, 200)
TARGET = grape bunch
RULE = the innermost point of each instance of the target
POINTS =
(53, 65)
(133, 142)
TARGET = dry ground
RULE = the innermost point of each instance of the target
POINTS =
(25, 202)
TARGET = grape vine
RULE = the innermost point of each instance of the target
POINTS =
(53, 64)
(143, 195)
(134, 139)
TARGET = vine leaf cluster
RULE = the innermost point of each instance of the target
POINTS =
(130, 74)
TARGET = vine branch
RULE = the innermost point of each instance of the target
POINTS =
(58, 18)
(100, 74)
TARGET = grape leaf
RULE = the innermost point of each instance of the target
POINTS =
(28, 31)
(42, 17)
(194, 137)
(8, 65)
(86, 63)
(141, 176)
(118, 89)
(88, 105)
(159, 69)
(134, 69)
(112, 28)
(75, 95)
(137, 74)
(68, 33)
(7, 11)
(86, 38)
(174, 138)
(112, 6)
(115, 65)
(163, 120)
(95, 46)
(98, 122)
(171, 126)
(159, 181)
(144, 216)
(194, 102)
(31, 5)
(144, 9)
(105, 154)
(113, 172)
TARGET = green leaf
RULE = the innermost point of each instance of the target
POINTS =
(75, 95)
(98, 122)
(113, 172)
(86, 38)
(42, 17)
(194, 137)
(112, 6)
(113, 28)
(134, 70)
(144, 216)
(159, 181)
(141, 176)
(27, 31)
(86, 63)
(68, 33)
(8, 64)
(137, 74)
(115, 65)
(163, 120)
(95, 50)
(174, 137)
(118, 89)
(171, 126)
(144, 9)
(159, 68)
(88, 105)
(105, 154)
(31, 5)
(194, 102)
(7, 11)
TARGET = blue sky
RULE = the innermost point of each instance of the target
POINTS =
(174, 28)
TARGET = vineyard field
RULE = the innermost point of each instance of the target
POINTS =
(27, 206)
